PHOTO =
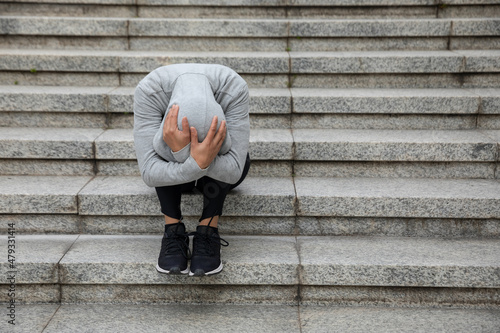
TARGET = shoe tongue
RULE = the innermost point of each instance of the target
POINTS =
(206, 230)
(176, 228)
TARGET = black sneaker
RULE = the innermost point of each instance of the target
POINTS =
(174, 252)
(206, 251)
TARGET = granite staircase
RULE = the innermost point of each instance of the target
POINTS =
(372, 203)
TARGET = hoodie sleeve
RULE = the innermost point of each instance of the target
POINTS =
(229, 167)
(183, 154)
(164, 151)
(156, 171)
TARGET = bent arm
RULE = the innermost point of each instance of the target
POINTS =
(155, 171)
(229, 167)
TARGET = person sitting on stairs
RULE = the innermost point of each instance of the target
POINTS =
(191, 131)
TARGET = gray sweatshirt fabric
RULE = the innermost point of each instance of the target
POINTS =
(201, 91)
(199, 108)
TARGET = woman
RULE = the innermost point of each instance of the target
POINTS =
(191, 130)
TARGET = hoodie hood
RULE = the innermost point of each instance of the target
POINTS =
(195, 98)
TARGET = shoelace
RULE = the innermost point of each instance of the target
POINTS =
(204, 243)
(176, 243)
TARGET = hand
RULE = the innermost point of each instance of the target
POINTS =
(205, 152)
(174, 138)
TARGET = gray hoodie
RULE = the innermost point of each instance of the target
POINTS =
(201, 91)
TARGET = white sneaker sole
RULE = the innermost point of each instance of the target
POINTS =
(164, 271)
(215, 271)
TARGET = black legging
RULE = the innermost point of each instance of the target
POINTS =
(214, 194)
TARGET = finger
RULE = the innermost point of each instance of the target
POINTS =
(221, 133)
(175, 116)
(167, 119)
(165, 123)
(170, 111)
(175, 110)
(170, 118)
(194, 137)
(212, 130)
(185, 125)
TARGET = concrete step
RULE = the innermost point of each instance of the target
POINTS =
(375, 145)
(396, 197)
(394, 101)
(35, 78)
(264, 28)
(88, 196)
(445, 109)
(395, 62)
(385, 35)
(265, 101)
(61, 143)
(267, 168)
(381, 207)
(266, 144)
(275, 196)
(434, 62)
(121, 99)
(75, 143)
(249, 318)
(450, 228)
(56, 194)
(275, 152)
(243, 9)
(301, 139)
(432, 69)
(97, 269)
(368, 197)
(265, 69)
(255, 62)
(339, 145)
(134, 61)
(112, 107)
(102, 68)
(249, 44)
(271, 3)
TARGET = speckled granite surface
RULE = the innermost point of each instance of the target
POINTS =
(248, 318)
(377, 197)
(404, 94)
(32, 194)
(48, 143)
(270, 260)
(131, 260)
(257, 196)
(411, 262)
(36, 257)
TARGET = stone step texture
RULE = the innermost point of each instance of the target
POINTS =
(250, 318)
(432, 62)
(412, 109)
(215, 34)
(391, 69)
(276, 196)
(375, 145)
(291, 206)
(299, 144)
(275, 152)
(266, 28)
(260, 9)
(93, 268)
